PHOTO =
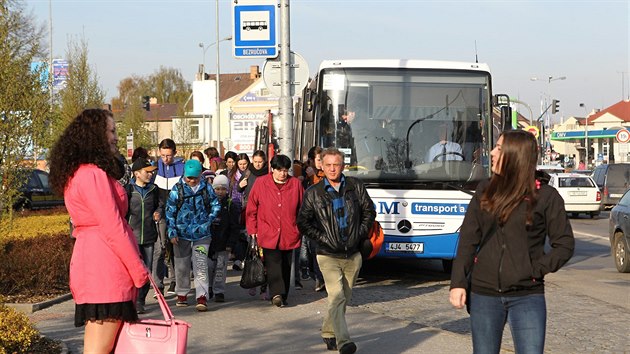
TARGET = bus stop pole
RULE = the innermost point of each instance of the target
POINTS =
(285, 131)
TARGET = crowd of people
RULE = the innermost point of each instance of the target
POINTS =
(169, 217)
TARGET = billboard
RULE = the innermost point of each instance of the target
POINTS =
(60, 75)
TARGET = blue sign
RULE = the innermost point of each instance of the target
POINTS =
(255, 32)
(580, 134)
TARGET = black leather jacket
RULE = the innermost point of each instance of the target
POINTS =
(317, 221)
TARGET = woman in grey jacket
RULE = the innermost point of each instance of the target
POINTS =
(502, 242)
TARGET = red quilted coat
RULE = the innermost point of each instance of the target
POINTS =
(272, 212)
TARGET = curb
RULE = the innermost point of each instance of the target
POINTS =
(30, 308)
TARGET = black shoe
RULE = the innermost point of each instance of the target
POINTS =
(140, 308)
(298, 285)
(219, 298)
(161, 290)
(305, 274)
(348, 348)
(319, 285)
(331, 343)
(171, 289)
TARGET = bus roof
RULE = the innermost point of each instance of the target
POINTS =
(403, 63)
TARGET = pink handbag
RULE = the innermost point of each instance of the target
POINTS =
(154, 336)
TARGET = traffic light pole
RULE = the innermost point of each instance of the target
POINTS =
(543, 131)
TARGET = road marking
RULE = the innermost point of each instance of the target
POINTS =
(589, 235)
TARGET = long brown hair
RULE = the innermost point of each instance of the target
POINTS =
(84, 141)
(516, 181)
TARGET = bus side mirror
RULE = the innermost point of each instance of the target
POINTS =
(503, 102)
(506, 117)
(308, 96)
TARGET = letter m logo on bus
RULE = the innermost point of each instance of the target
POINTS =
(388, 208)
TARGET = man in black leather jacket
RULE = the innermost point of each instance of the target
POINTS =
(337, 213)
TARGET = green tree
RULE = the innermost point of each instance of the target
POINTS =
(82, 87)
(24, 101)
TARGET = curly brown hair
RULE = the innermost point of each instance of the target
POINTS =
(84, 141)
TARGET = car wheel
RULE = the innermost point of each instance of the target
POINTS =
(621, 254)
(594, 214)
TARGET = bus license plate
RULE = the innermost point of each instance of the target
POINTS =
(417, 247)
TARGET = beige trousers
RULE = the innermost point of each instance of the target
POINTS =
(340, 274)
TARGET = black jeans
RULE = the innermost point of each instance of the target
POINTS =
(278, 265)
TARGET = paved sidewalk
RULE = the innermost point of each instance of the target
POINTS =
(245, 324)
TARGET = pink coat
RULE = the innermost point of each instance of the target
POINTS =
(272, 213)
(106, 265)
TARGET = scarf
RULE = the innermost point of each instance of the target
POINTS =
(263, 171)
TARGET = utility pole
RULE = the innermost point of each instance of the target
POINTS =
(286, 101)
(218, 98)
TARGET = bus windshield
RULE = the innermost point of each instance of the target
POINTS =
(406, 124)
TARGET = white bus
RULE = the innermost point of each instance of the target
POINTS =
(386, 115)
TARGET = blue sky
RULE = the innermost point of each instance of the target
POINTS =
(585, 41)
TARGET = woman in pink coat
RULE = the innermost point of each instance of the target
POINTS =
(272, 208)
(106, 268)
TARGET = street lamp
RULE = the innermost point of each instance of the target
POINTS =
(551, 78)
(585, 135)
(545, 107)
(205, 48)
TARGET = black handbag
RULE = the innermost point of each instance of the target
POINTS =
(484, 239)
(254, 273)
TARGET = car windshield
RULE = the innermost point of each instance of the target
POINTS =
(619, 176)
(565, 182)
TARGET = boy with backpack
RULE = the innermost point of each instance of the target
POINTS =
(190, 209)
(225, 233)
(144, 211)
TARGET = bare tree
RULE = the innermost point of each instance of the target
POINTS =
(167, 85)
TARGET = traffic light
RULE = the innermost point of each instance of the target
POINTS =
(146, 103)
(555, 107)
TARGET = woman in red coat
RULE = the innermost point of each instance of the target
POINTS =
(106, 268)
(272, 208)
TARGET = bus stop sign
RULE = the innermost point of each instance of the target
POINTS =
(255, 32)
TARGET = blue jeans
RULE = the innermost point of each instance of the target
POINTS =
(147, 252)
(526, 315)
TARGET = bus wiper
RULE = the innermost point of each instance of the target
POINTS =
(407, 161)
(457, 187)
